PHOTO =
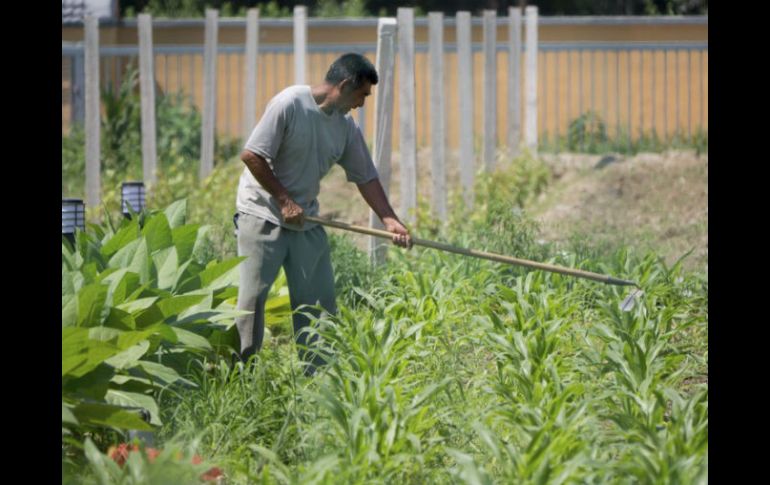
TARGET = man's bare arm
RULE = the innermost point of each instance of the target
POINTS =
(257, 165)
(374, 195)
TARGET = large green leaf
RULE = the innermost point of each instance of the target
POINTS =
(88, 250)
(191, 339)
(102, 414)
(167, 265)
(66, 414)
(91, 300)
(81, 354)
(121, 379)
(223, 294)
(123, 287)
(183, 273)
(221, 274)
(177, 304)
(120, 320)
(91, 386)
(218, 317)
(135, 400)
(277, 309)
(141, 263)
(200, 240)
(176, 213)
(69, 311)
(161, 374)
(215, 276)
(124, 236)
(67, 257)
(204, 305)
(130, 356)
(67, 281)
(157, 232)
(125, 339)
(184, 240)
(135, 306)
(125, 255)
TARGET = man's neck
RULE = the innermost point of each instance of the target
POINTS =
(320, 94)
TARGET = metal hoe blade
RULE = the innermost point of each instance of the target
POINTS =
(628, 303)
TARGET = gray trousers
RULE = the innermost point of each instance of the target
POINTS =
(305, 258)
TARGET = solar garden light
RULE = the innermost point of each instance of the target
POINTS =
(73, 216)
(132, 195)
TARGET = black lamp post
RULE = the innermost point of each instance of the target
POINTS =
(132, 194)
(73, 217)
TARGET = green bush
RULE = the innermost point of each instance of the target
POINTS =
(587, 132)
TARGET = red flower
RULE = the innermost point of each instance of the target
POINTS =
(120, 453)
(212, 474)
(152, 453)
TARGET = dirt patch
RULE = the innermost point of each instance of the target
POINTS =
(652, 202)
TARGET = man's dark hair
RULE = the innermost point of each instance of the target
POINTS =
(352, 66)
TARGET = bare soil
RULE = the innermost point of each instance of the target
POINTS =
(651, 201)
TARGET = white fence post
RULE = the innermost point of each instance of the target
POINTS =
(93, 146)
(209, 92)
(490, 88)
(77, 88)
(465, 97)
(514, 80)
(383, 123)
(250, 86)
(437, 122)
(147, 86)
(407, 115)
(531, 79)
(300, 43)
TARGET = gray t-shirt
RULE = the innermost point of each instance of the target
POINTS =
(300, 144)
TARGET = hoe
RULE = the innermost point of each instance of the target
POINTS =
(626, 305)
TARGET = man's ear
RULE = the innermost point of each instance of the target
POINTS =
(345, 85)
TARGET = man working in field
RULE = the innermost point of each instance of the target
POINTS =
(303, 132)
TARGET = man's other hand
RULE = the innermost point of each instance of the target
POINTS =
(292, 213)
(401, 237)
